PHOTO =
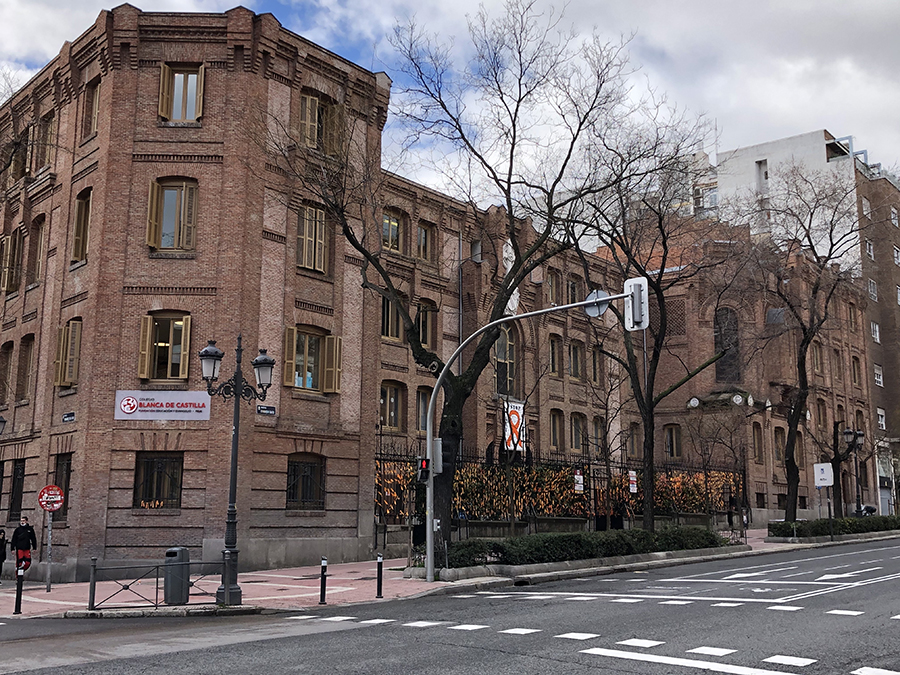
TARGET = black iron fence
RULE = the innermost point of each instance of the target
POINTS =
(141, 585)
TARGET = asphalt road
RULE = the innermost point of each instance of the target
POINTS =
(832, 610)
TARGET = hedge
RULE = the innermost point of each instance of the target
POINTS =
(820, 528)
(547, 547)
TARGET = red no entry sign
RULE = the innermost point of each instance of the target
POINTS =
(51, 498)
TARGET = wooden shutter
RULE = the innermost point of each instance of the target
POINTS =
(201, 72)
(15, 259)
(154, 230)
(87, 111)
(290, 356)
(334, 129)
(60, 356)
(73, 352)
(309, 237)
(333, 348)
(185, 347)
(82, 223)
(188, 217)
(4, 262)
(29, 148)
(165, 91)
(320, 240)
(309, 120)
(146, 347)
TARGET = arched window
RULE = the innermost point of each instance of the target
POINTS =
(393, 406)
(821, 414)
(779, 445)
(578, 433)
(758, 452)
(425, 323)
(728, 368)
(505, 350)
(556, 431)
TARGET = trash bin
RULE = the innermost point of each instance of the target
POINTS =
(177, 576)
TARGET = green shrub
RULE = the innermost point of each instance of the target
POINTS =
(686, 538)
(821, 527)
(470, 552)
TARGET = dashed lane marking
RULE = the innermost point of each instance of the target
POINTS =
(643, 644)
(468, 626)
(788, 660)
(338, 618)
(844, 612)
(677, 602)
(629, 600)
(583, 597)
(520, 631)
(423, 624)
(299, 616)
(535, 597)
(785, 608)
(874, 671)
(378, 621)
(577, 636)
(727, 604)
(711, 651)
(688, 663)
(465, 595)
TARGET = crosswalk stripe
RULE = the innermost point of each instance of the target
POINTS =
(711, 651)
(874, 671)
(844, 612)
(690, 663)
(423, 624)
(468, 626)
(788, 660)
(784, 608)
(520, 631)
(577, 636)
(643, 644)
(377, 621)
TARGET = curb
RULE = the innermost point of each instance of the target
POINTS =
(195, 610)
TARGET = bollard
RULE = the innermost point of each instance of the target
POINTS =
(322, 581)
(227, 563)
(20, 578)
(380, 576)
(92, 589)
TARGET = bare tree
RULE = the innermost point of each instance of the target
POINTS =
(806, 256)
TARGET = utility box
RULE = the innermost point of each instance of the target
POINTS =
(177, 576)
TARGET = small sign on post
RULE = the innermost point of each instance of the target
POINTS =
(824, 475)
(51, 499)
(632, 482)
(579, 481)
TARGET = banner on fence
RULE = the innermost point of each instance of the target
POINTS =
(514, 427)
(579, 481)
(632, 482)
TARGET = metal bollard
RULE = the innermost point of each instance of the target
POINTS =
(380, 576)
(322, 581)
(227, 562)
(20, 578)
(92, 589)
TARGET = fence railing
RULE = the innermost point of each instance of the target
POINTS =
(138, 589)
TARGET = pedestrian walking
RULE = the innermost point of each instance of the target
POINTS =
(4, 542)
(23, 540)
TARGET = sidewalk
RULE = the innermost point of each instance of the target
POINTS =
(283, 589)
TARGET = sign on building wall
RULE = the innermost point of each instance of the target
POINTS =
(514, 427)
(162, 405)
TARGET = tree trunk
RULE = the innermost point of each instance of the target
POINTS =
(648, 484)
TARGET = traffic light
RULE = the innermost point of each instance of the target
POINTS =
(424, 470)
(637, 314)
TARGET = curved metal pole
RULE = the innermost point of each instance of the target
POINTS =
(429, 423)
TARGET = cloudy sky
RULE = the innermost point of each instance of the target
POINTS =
(763, 69)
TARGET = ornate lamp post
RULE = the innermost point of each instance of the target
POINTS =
(229, 593)
(854, 441)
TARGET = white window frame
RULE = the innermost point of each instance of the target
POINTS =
(873, 290)
(879, 375)
(870, 249)
(866, 207)
(882, 419)
(897, 256)
(876, 332)
(895, 216)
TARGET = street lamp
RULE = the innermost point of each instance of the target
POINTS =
(229, 593)
(854, 441)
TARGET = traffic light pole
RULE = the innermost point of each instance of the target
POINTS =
(598, 302)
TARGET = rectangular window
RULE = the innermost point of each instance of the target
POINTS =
(781, 502)
(181, 93)
(26, 358)
(556, 430)
(6, 352)
(818, 362)
(634, 449)
(882, 419)
(897, 256)
(574, 290)
(837, 370)
(46, 137)
(423, 241)
(870, 249)
(390, 232)
(425, 323)
(879, 375)
(596, 366)
(11, 258)
(172, 215)
(35, 243)
(895, 217)
(779, 445)
(165, 347)
(322, 125)
(62, 476)
(391, 407)
(16, 489)
(758, 451)
(866, 207)
(311, 239)
(82, 226)
(158, 480)
(852, 318)
(576, 360)
(91, 109)
(855, 372)
(313, 361)
(552, 287)
(555, 356)
(422, 398)
(760, 500)
(876, 332)
(68, 354)
(390, 319)
(898, 295)
(577, 433)
(305, 482)
(672, 433)
(873, 290)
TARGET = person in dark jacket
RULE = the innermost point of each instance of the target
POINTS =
(3, 544)
(23, 540)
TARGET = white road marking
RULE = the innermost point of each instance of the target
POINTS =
(377, 621)
(689, 663)
(577, 636)
(299, 616)
(727, 604)
(583, 597)
(799, 574)
(499, 596)
(677, 602)
(468, 626)
(423, 624)
(896, 617)
(465, 595)
(847, 575)
(520, 631)
(711, 651)
(338, 618)
(788, 660)
(626, 600)
(843, 612)
(785, 608)
(745, 575)
(535, 597)
(644, 644)
(874, 671)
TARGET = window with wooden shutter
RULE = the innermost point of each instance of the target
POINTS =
(165, 343)
(333, 348)
(165, 91)
(172, 214)
(82, 226)
(311, 242)
(189, 217)
(146, 347)
(309, 120)
(60, 360)
(153, 218)
(201, 78)
(73, 352)
(4, 260)
(181, 93)
(185, 355)
(333, 130)
(290, 351)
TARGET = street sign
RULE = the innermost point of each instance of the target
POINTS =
(632, 482)
(51, 498)
(824, 474)
(637, 311)
(594, 311)
(579, 481)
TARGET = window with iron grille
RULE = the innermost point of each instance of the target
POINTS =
(16, 489)
(305, 482)
(157, 480)
(61, 479)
